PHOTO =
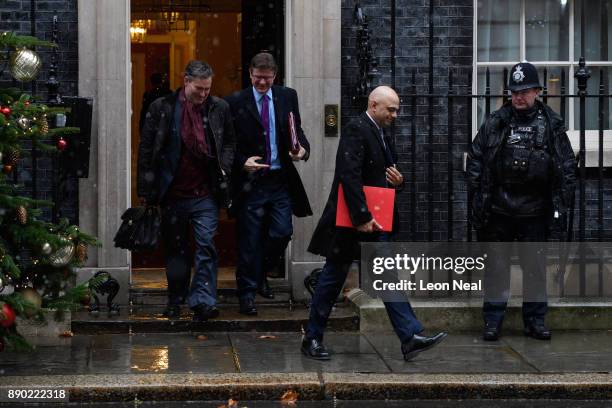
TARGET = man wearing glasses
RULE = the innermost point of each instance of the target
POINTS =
(267, 187)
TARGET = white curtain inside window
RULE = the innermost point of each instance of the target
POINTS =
(498, 30)
(597, 29)
(547, 30)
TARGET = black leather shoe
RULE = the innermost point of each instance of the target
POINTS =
(247, 307)
(202, 313)
(537, 330)
(172, 311)
(314, 349)
(420, 343)
(491, 331)
(264, 290)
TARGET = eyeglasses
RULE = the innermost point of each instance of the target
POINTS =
(263, 77)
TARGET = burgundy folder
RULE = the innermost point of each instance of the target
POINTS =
(295, 143)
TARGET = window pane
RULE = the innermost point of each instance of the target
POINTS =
(550, 78)
(592, 104)
(597, 30)
(498, 30)
(546, 33)
(496, 88)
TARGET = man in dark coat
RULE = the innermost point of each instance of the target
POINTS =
(185, 156)
(267, 187)
(160, 88)
(365, 157)
(521, 171)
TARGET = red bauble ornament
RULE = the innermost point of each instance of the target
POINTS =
(9, 316)
(62, 144)
(6, 111)
(7, 168)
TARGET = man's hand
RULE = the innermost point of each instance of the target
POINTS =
(394, 177)
(299, 156)
(370, 226)
(252, 166)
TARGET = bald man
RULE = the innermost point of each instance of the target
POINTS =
(365, 157)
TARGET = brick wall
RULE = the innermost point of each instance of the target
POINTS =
(16, 16)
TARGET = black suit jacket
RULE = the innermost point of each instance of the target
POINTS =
(360, 161)
(250, 141)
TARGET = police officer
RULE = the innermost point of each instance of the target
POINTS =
(521, 171)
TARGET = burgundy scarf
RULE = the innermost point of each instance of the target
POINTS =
(192, 127)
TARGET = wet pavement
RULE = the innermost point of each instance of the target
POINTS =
(258, 367)
(257, 352)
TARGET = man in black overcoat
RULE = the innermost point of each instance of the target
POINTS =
(267, 186)
(365, 157)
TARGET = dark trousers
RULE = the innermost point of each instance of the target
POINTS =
(329, 285)
(264, 228)
(202, 215)
(532, 261)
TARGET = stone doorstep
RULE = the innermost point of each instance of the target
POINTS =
(318, 386)
(270, 318)
(458, 316)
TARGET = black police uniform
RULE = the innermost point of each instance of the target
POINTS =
(521, 172)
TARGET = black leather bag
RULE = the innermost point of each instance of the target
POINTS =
(140, 229)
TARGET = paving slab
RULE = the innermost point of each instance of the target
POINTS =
(354, 343)
(147, 359)
(458, 353)
(575, 352)
(296, 362)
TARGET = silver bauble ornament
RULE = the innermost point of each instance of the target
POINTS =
(24, 123)
(46, 248)
(24, 65)
(62, 256)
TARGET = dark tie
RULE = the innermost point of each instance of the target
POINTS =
(388, 157)
(265, 120)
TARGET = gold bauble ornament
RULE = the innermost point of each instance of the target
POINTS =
(63, 256)
(32, 296)
(24, 65)
(22, 215)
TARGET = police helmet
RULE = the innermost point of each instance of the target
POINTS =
(523, 76)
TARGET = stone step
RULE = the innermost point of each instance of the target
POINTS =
(154, 293)
(149, 319)
(159, 297)
(466, 315)
(329, 389)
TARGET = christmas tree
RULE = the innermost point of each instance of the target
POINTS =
(37, 258)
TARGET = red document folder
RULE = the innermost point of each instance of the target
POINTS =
(380, 202)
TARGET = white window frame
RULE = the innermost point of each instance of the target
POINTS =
(592, 136)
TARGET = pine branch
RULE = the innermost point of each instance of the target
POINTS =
(8, 39)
